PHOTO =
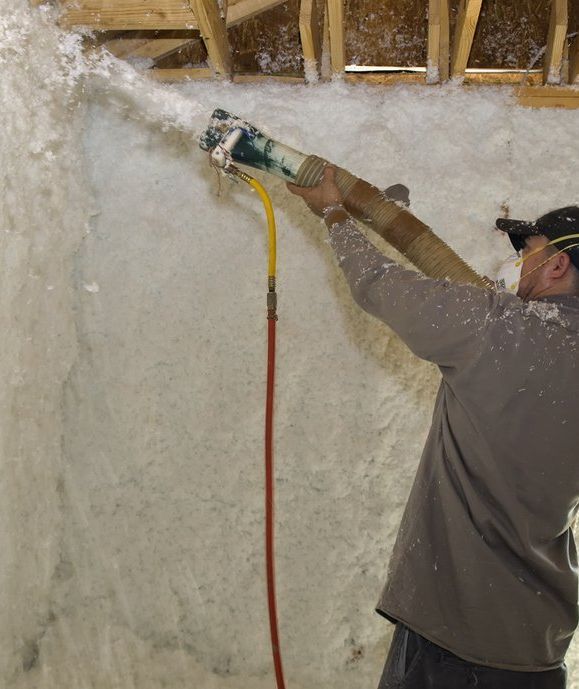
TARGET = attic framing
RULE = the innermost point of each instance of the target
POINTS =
(468, 16)
(556, 42)
(574, 62)
(206, 22)
(310, 34)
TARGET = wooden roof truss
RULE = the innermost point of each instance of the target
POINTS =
(209, 20)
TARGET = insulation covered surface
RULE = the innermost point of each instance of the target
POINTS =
(133, 304)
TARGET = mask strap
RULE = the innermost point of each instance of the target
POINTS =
(521, 261)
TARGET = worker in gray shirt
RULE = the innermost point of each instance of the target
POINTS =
(482, 581)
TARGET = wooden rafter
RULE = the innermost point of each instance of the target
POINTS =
(310, 34)
(153, 48)
(131, 28)
(214, 34)
(438, 41)
(129, 15)
(335, 10)
(246, 9)
(104, 15)
(444, 58)
(556, 42)
(574, 62)
(325, 60)
(466, 23)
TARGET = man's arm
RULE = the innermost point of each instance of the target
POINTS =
(440, 321)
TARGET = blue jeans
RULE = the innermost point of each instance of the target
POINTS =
(416, 663)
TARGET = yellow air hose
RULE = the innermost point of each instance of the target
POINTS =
(268, 212)
(269, 474)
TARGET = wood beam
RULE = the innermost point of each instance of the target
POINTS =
(109, 15)
(176, 75)
(503, 78)
(325, 60)
(383, 78)
(264, 78)
(548, 97)
(438, 67)
(246, 9)
(556, 42)
(214, 34)
(444, 58)
(310, 34)
(433, 50)
(471, 79)
(531, 96)
(173, 75)
(335, 10)
(154, 49)
(574, 62)
(466, 23)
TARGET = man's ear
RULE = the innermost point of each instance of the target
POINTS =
(559, 265)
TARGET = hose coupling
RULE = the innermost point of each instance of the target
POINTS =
(271, 302)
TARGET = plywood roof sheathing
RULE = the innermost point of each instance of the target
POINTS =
(335, 10)
(438, 42)
(466, 22)
(556, 42)
(214, 34)
(310, 33)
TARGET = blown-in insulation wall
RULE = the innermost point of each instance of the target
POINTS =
(132, 299)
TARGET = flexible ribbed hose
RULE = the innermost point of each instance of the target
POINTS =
(365, 202)
(395, 224)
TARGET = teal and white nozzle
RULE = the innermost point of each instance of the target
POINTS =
(231, 139)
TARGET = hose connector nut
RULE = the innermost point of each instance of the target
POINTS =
(272, 301)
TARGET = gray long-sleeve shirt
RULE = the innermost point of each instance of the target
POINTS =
(484, 564)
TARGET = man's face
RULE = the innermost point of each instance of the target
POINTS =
(532, 275)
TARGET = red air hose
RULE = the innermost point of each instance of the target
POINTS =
(269, 474)
(269, 512)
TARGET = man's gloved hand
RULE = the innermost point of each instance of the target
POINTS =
(327, 195)
(323, 196)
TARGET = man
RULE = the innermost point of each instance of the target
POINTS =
(482, 582)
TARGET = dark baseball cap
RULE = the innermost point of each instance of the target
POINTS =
(554, 225)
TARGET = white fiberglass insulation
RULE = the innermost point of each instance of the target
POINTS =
(133, 366)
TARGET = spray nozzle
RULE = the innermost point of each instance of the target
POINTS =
(221, 154)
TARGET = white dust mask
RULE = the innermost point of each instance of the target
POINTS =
(509, 274)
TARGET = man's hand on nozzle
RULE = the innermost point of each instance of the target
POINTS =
(322, 197)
